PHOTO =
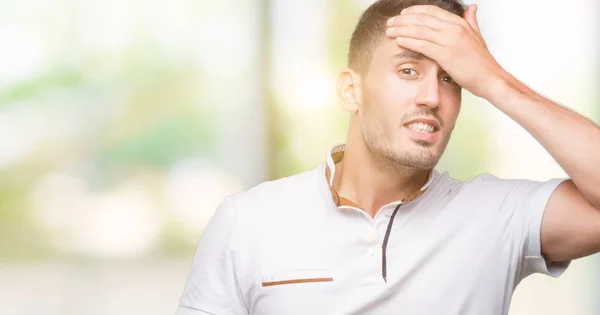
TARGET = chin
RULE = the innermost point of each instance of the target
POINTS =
(417, 158)
(424, 144)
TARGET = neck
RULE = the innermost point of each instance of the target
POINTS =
(372, 183)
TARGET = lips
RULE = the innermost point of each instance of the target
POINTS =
(424, 125)
(423, 129)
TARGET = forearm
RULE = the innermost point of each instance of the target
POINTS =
(571, 139)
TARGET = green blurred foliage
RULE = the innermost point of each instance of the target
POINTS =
(140, 118)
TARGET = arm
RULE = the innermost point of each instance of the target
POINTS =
(571, 224)
(212, 286)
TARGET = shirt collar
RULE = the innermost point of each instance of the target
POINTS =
(336, 154)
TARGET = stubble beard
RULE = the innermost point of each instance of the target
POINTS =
(396, 155)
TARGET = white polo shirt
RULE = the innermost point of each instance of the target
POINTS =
(284, 247)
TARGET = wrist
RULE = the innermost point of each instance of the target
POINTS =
(500, 86)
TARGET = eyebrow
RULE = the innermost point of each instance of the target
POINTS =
(409, 54)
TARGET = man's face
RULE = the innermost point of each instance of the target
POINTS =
(409, 107)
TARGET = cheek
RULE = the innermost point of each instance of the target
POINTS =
(448, 113)
(451, 107)
(395, 95)
(398, 86)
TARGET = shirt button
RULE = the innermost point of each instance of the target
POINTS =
(371, 235)
(373, 250)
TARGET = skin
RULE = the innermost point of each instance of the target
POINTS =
(395, 162)
(400, 87)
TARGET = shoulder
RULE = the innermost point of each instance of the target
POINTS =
(486, 182)
(272, 199)
(488, 188)
(481, 187)
(282, 189)
(279, 206)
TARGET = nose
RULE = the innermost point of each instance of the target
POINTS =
(429, 93)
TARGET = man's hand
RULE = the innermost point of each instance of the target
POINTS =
(571, 222)
(455, 43)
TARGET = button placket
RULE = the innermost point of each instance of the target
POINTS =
(372, 234)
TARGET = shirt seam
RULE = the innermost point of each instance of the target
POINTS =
(239, 251)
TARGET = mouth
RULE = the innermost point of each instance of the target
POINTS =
(423, 129)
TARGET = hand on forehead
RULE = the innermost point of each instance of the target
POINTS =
(454, 42)
(434, 17)
(427, 13)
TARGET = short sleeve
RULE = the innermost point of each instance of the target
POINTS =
(521, 205)
(212, 285)
(532, 211)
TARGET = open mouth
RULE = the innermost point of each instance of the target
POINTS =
(422, 127)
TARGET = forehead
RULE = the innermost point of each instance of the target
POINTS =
(386, 52)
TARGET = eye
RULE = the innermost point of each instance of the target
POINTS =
(408, 72)
(447, 79)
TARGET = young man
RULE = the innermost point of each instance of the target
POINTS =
(376, 230)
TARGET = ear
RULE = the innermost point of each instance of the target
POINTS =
(348, 90)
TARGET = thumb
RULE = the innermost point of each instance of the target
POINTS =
(471, 16)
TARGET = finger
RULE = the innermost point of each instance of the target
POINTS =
(417, 32)
(418, 19)
(471, 17)
(424, 47)
(434, 11)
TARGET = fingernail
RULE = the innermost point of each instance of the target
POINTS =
(403, 11)
(391, 21)
(390, 30)
(399, 40)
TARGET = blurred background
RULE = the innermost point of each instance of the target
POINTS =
(124, 123)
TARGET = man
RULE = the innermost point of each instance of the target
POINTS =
(376, 230)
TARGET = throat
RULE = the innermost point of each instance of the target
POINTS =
(369, 192)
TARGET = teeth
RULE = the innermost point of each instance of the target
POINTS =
(421, 127)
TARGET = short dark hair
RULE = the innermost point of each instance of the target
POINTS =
(371, 27)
